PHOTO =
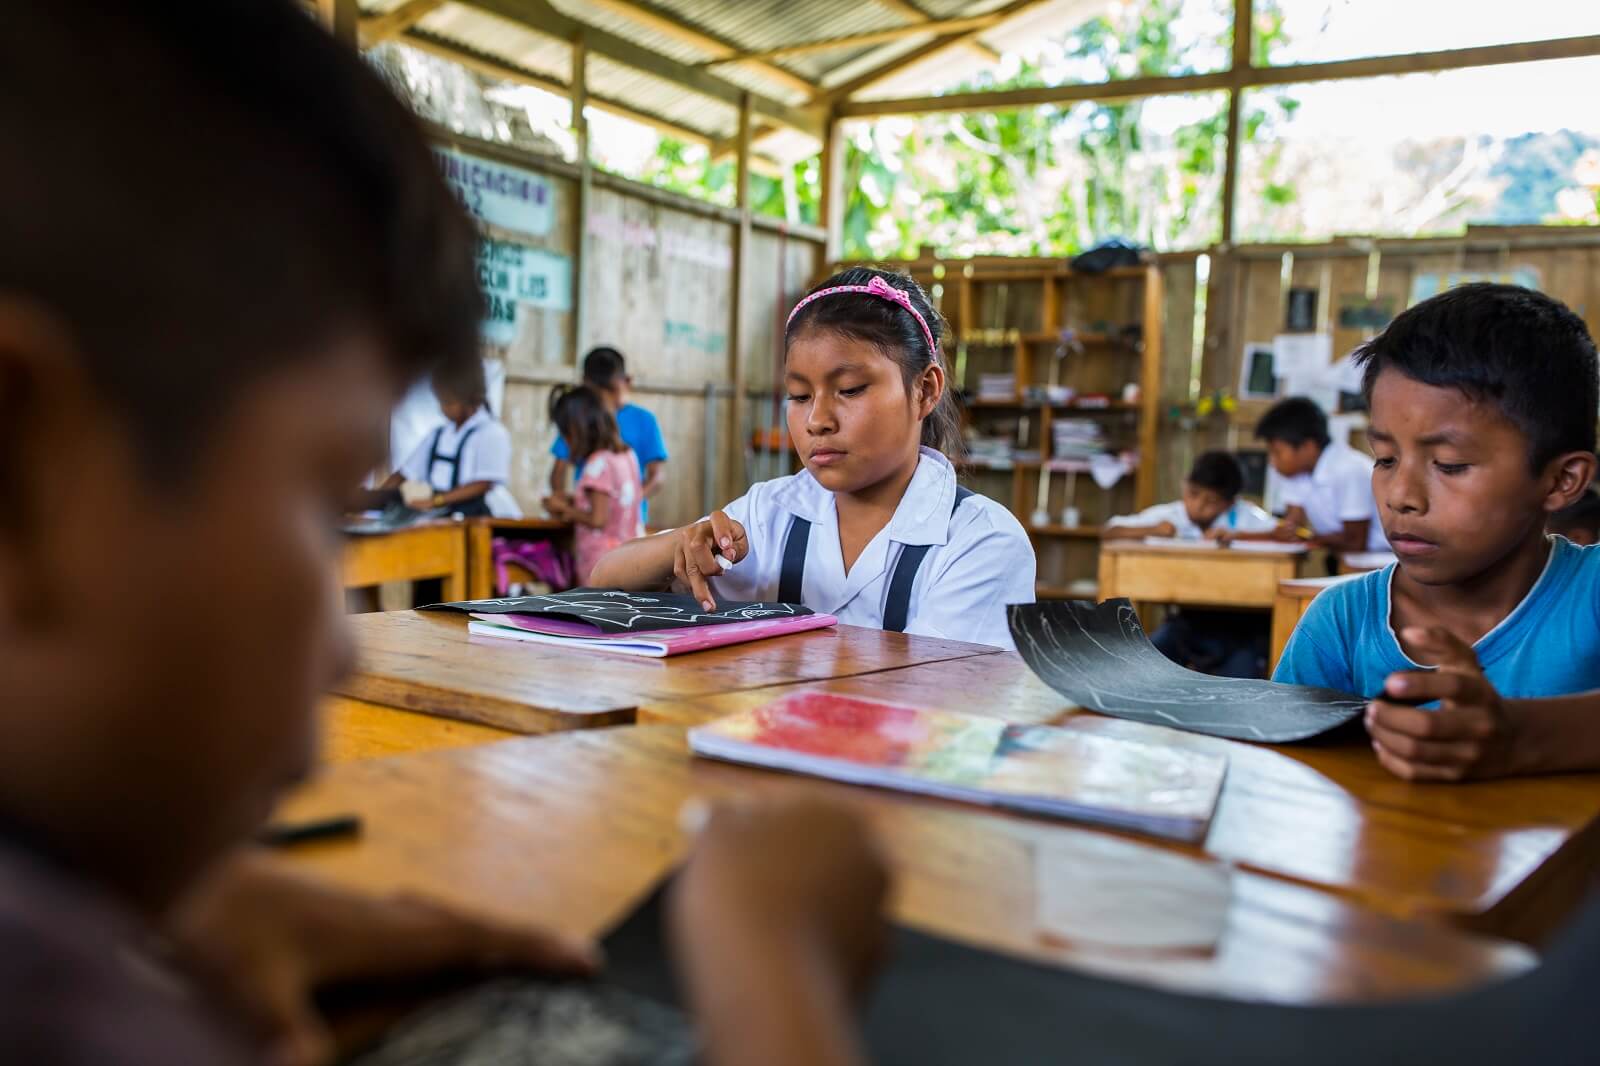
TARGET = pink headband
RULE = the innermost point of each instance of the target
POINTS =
(883, 291)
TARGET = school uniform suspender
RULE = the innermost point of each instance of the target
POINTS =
(897, 610)
(453, 460)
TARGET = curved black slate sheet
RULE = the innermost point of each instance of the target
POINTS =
(1099, 657)
(616, 611)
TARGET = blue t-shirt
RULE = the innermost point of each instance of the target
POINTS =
(640, 432)
(1548, 646)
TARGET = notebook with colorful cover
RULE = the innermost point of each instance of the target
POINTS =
(1168, 792)
(615, 611)
(655, 643)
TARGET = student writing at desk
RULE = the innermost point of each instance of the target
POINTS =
(149, 723)
(1478, 444)
(1224, 643)
(605, 371)
(874, 529)
(464, 464)
(1328, 493)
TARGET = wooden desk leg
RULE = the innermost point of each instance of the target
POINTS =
(1285, 616)
(480, 561)
(1108, 576)
(455, 582)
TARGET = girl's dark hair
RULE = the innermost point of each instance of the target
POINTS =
(463, 380)
(585, 422)
(893, 331)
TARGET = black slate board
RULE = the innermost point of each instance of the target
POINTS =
(1099, 657)
(615, 611)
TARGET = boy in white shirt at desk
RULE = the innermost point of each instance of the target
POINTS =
(1225, 643)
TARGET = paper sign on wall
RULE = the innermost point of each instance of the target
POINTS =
(512, 275)
(503, 196)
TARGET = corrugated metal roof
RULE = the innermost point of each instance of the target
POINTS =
(746, 25)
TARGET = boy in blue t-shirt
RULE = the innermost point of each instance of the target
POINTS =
(1483, 404)
(605, 371)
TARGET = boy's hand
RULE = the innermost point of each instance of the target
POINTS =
(793, 882)
(1163, 529)
(557, 507)
(274, 939)
(1220, 535)
(1471, 735)
(694, 551)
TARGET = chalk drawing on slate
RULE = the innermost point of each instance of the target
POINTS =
(1099, 657)
(615, 611)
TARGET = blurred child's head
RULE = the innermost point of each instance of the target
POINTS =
(1211, 487)
(605, 371)
(228, 253)
(1482, 404)
(1296, 434)
(584, 420)
(1579, 521)
(866, 380)
(461, 389)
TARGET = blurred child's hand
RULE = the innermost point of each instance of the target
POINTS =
(696, 547)
(274, 938)
(1470, 735)
(416, 494)
(558, 507)
(1220, 534)
(1164, 529)
(793, 881)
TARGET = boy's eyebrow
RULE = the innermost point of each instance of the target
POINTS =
(1442, 437)
(841, 369)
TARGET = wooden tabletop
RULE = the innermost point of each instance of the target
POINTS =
(1510, 857)
(426, 661)
(572, 830)
(1201, 548)
(435, 549)
(1197, 575)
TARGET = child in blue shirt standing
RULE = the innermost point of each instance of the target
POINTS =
(605, 371)
(1483, 403)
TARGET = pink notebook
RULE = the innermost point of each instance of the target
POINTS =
(657, 643)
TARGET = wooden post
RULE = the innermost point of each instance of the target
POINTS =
(342, 17)
(585, 187)
(833, 204)
(1243, 35)
(736, 339)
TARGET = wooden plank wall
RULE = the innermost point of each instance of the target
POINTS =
(658, 281)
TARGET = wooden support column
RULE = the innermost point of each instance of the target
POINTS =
(342, 17)
(580, 208)
(733, 471)
(833, 202)
(1243, 35)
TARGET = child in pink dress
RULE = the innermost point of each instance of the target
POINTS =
(605, 503)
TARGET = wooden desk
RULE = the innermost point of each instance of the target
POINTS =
(572, 830)
(426, 550)
(1290, 603)
(480, 546)
(1196, 577)
(352, 729)
(427, 662)
(1508, 857)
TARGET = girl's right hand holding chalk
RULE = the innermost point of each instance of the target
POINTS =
(701, 551)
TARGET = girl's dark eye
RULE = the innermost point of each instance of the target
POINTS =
(1450, 469)
(793, 398)
(1384, 463)
(856, 391)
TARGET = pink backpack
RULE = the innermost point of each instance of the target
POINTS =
(540, 558)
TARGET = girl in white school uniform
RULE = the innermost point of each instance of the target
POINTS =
(465, 462)
(874, 530)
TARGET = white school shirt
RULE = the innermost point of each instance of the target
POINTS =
(1243, 516)
(487, 458)
(980, 560)
(1337, 491)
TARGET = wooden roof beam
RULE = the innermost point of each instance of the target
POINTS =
(540, 17)
(1249, 77)
(906, 9)
(375, 29)
(491, 67)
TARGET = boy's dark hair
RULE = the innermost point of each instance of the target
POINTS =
(1521, 350)
(1582, 513)
(1220, 472)
(602, 366)
(894, 332)
(584, 421)
(1294, 421)
(206, 191)
(463, 380)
